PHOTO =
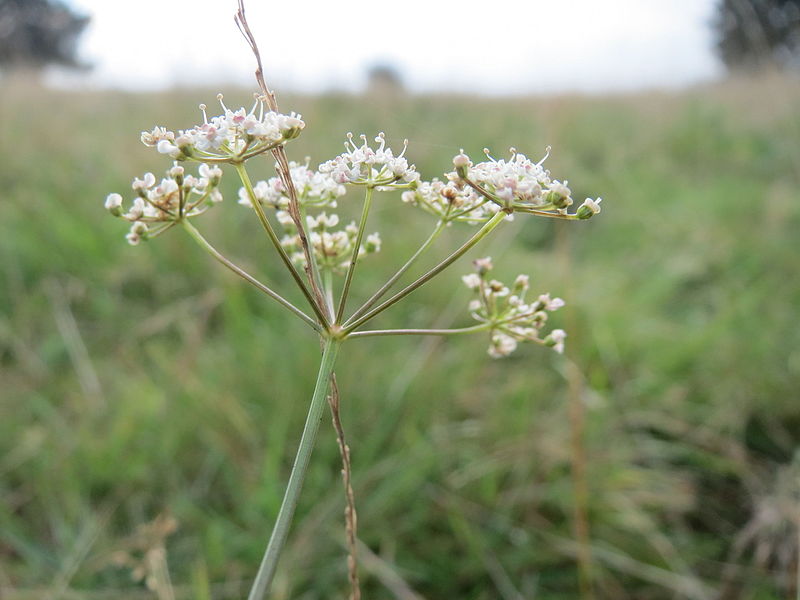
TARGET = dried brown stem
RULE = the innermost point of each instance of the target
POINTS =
(350, 516)
(282, 163)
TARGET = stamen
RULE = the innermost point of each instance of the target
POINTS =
(205, 116)
(546, 156)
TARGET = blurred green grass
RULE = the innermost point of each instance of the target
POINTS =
(144, 381)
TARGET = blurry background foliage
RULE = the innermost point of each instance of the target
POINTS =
(151, 400)
(38, 33)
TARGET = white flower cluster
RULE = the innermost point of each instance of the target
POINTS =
(332, 249)
(175, 197)
(519, 183)
(362, 165)
(236, 134)
(450, 201)
(314, 189)
(510, 318)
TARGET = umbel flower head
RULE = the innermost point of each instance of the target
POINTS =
(509, 317)
(314, 189)
(235, 135)
(363, 165)
(163, 204)
(519, 184)
(332, 248)
(451, 201)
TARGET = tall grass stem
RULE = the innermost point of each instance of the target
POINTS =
(277, 540)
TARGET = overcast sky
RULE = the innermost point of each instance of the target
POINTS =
(500, 47)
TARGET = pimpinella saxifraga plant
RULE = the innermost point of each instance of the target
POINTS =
(296, 210)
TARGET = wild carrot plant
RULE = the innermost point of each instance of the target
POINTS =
(322, 254)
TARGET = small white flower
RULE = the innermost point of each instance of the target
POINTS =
(483, 264)
(589, 208)
(497, 289)
(284, 218)
(168, 148)
(152, 138)
(137, 233)
(461, 160)
(472, 281)
(501, 345)
(373, 243)
(113, 204)
(146, 182)
(137, 210)
(556, 340)
(548, 303)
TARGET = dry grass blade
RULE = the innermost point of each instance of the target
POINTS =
(351, 518)
(388, 575)
(76, 347)
(280, 158)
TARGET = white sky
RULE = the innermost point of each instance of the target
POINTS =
(484, 46)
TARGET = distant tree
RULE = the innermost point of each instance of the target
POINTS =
(37, 33)
(758, 33)
(384, 78)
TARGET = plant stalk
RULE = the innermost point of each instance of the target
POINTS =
(354, 258)
(206, 245)
(479, 235)
(400, 272)
(262, 217)
(269, 563)
(463, 330)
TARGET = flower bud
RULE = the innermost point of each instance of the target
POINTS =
(521, 283)
(462, 164)
(556, 340)
(472, 280)
(137, 233)
(113, 204)
(558, 195)
(409, 197)
(589, 208)
(373, 243)
(176, 172)
(483, 265)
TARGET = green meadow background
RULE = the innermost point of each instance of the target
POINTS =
(151, 400)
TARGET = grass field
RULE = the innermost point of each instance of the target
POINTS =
(141, 385)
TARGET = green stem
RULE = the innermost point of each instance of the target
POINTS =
(327, 279)
(354, 258)
(206, 245)
(279, 533)
(393, 279)
(262, 217)
(551, 215)
(463, 330)
(479, 235)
